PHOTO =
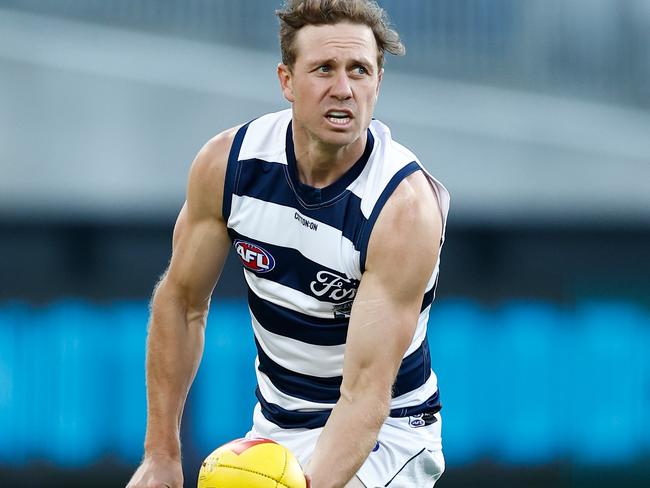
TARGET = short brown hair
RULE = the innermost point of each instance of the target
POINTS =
(298, 13)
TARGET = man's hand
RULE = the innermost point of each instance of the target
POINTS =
(158, 472)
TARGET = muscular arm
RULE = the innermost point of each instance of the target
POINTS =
(402, 254)
(179, 311)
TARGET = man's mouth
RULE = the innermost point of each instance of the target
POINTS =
(338, 117)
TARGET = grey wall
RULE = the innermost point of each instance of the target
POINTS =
(102, 123)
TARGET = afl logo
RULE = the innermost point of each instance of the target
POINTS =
(254, 257)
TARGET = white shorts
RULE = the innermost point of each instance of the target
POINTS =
(407, 454)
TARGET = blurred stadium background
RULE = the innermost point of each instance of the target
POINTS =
(535, 114)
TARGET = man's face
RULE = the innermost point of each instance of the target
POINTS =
(334, 82)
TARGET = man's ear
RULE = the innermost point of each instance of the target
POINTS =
(286, 82)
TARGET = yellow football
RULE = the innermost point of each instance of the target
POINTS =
(251, 463)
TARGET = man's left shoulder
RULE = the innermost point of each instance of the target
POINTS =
(405, 242)
(413, 200)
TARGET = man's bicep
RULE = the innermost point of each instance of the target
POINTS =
(201, 242)
(200, 249)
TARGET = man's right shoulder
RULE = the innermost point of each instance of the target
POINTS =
(207, 174)
(213, 156)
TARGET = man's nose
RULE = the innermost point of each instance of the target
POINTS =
(341, 88)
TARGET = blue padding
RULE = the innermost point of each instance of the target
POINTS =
(13, 385)
(528, 361)
(128, 402)
(69, 362)
(524, 383)
(460, 341)
(611, 381)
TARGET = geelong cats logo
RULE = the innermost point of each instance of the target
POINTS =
(333, 286)
(254, 257)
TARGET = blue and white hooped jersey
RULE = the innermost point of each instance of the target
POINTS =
(303, 252)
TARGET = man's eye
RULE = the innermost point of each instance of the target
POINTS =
(324, 69)
(361, 70)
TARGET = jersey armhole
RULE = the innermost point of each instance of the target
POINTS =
(232, 171)
(394, 182)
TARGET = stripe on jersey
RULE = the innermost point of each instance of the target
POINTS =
(414, 371)
(273, 395)
(420, 333)
(428, 297)
(292, 419)
(271, 223)
(268, 139)
(379, 205)
(289, 323)
(300, 357)
(288, 297)
(343, 214)
(231, 171)
(312, 330)
(417, 396)
(307, 387)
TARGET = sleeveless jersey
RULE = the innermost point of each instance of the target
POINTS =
(303, 252)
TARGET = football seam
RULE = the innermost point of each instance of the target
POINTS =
(284, 469)
(241, 468)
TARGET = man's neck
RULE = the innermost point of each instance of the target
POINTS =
(319, 165)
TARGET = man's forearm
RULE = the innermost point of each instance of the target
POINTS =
(174, 350)
(347, 439)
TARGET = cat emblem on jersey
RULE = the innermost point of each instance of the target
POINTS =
(254, 257)
(343, 310)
